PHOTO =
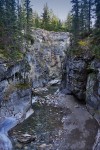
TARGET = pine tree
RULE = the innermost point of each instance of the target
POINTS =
(75, 21)
(37, 20)
(28, 14)
(68, 23)
(81, 17)
(97, 2)
(2, 22)
(84, 11)
(45, 17)
(10, 24)
(90, 13)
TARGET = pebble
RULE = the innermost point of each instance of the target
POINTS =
(18, 146)
(26, 148)
(42, 146)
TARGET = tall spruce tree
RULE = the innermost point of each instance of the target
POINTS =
(45, 17)
(28, 14)
(75, 14)
(2, 22)
(97, 2)
(10, 23)
(90, 13)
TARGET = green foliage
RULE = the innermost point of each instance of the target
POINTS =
(97, 11)
(96, 36)
(95, 42)
(85, 39)
(13, 56)
(68, 23)
(15, 21)
(82, 13)
(48, 20)
(29, 38)
(45, 17)
(75, 21)
(23, 86)
(96, 51)
(84, 44)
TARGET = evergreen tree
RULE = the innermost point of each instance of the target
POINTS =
(28, 14)
(37, 20)
(84, 18)
(59, 25)
(10, 24)
(81, 17)
(45, 17)
(75, 21)
(68, 23)
(97, 2)
(2, 22)
(90, 13)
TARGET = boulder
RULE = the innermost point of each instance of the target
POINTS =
(26, 138)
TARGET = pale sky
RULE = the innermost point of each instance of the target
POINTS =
(59, 7)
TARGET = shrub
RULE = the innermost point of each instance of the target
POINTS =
(30, 38)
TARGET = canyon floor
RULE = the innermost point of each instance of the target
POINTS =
(59, 122)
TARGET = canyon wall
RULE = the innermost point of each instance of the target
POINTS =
(81, 77)
(42, 62)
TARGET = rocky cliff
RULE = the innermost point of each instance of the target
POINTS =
(45, 56)
(42, 63)
(14, 92)
(81, 77)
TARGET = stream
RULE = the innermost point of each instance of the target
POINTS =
(58, 123)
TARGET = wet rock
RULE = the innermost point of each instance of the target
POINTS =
(35, 99)
(97, 142)
(18, 145)
(29, 113)
(45, 147)
(39, 91)
(54, 82)
(26, 138)
(42, 146)
(26, 147)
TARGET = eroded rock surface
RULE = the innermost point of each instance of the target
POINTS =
(60, 123)
(81, 76)
(46, 55)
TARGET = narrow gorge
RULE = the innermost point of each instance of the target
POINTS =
(51, 95)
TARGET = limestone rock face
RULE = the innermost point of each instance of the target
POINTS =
(15, 97)
(41, 64)
(81, 76)
(93, 89)
(45, 56)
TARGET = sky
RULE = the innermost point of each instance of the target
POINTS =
(59, 7)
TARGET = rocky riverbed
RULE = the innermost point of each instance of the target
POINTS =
(58, 123)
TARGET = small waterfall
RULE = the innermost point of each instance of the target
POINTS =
(5, 126)
(5, 143)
